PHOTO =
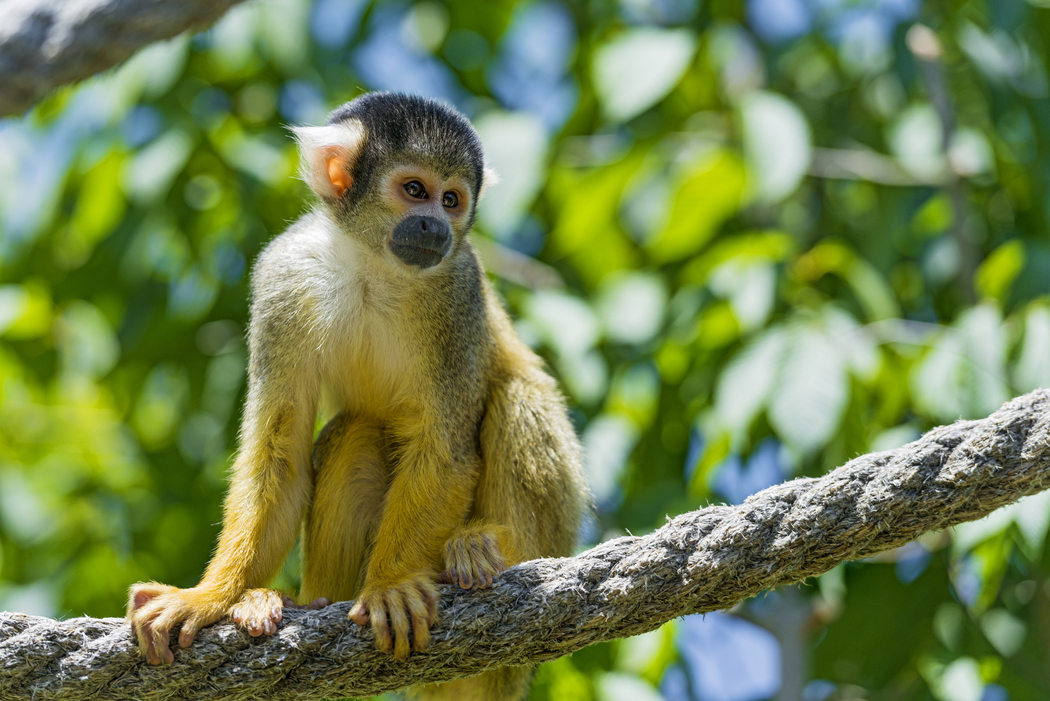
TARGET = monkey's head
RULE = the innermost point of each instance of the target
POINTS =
(400, 173)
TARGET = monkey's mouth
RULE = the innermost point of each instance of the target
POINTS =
(421, 241)
(416, 255)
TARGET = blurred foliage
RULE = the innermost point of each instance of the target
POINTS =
(753, 239)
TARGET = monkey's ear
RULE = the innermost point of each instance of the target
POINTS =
(327, 155)
(488, 178)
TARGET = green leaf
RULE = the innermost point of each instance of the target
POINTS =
(608, 440)
(1033, 368)
(999, 270)
(708, 193)
(934, 380)
(958, 681)
(516, 148)
(747, 381)
(100, 207)
(747, 247)
(25, 310)
(985, 349)
(586, 203)
(638, 68)
(777, 144)
(632, 306)
(917, 140)
(812, 390)
(621, 686)
(150, 173)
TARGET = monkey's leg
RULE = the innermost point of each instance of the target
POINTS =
(528, 504)
(350, 477)
(531, 492)
(430, 493)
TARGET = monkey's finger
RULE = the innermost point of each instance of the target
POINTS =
(447, 576)
(189, 631)
(318, 604)
(399, 624)
(159, 635)
(417, 609)
(380, 626)
(359, 614)
(465, 580)
(430, 599)
(145, 638)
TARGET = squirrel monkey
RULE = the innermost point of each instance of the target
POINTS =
(451, 456)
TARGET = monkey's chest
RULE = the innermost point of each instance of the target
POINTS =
(372, 364)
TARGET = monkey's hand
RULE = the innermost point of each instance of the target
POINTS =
(472, 558)
(154, 609)
(410, 600)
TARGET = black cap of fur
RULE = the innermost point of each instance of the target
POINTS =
(402, 127)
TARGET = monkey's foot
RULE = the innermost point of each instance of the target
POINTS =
(154, 609)
(472, 558)
(258, 611)
(315, 605)
(391, 608)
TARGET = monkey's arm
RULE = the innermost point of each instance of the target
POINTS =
(270, 486)
(531, 494)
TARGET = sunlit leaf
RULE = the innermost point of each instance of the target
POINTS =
(634, 393)
(587, 204)
(867, 284)
(857, 344)
(609, 440)
(1033, 369)
(1004, 631)
(100, 206)
(917, 140)
(746, 383)
(632, 307)
(999, 270)
(935, 380)
(88, 346)
(516, 148)
(638, 68)
(25, 310)
(707, 194)
(812, 390)
(985, 342)
(958, 681)
(745, 248)
(150, 173)
(970, 153)
(750, 289)
(777, 144)
(567, 322)
(621, 686)
(153, 70)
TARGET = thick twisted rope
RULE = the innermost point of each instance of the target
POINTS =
(702, 561)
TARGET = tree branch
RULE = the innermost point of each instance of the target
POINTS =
(48, 43)
(702, 561)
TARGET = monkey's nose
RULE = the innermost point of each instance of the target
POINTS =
(421, 241)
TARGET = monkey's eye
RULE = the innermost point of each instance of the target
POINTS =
(450, 200)
(415, 189)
